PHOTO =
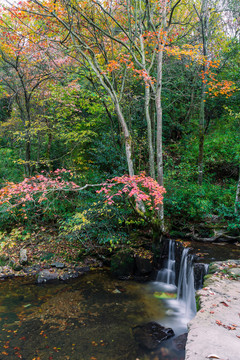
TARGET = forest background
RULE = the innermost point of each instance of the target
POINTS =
(131, 97)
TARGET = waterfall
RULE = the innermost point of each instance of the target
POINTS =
(168, 273)
(186, 290)
(206, 266)
(167, 280)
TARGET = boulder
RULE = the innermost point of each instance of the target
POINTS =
(17, 267)
(235, 271)
(150, 335)
(144, 262)
(122, 264)
(68, 275)
(32, 270)
(82, 269)
(45, 276)
(23, 260)
(58, 265)
(200, 270)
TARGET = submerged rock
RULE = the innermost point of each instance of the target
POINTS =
(150, 335)
(180, 342)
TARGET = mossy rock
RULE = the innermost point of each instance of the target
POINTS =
(235, 272)
(17, 267)
(213, 268)
(123, 264)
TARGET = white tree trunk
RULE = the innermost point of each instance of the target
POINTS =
(127, 138)
(204, 22)
(149, 131)
(159, 148)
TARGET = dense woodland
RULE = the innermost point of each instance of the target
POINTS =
(107, 107)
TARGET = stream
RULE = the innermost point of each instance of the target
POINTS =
(92, 317)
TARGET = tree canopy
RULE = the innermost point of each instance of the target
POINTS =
(118, 89)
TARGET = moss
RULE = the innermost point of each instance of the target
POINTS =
(198, 302)
(208, 276)
(208, 280)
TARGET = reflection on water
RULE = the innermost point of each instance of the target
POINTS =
(87, 319)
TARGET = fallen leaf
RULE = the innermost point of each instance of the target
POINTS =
(231, 328)
(213, 356)
(211, 292)
(223, 302)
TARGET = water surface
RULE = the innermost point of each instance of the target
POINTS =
(89, 318)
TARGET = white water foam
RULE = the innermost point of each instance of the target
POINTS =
(182, 309)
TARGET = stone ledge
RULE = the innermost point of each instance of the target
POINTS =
(214, 333)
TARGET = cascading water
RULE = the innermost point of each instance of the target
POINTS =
(186, 290)
(167, 275)
(183, 295)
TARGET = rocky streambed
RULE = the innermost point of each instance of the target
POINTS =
(214, 333)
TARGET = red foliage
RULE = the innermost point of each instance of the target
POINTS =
(19, 194)
(143, 188)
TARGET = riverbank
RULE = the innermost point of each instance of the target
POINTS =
(214, 333)
(43, 253)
